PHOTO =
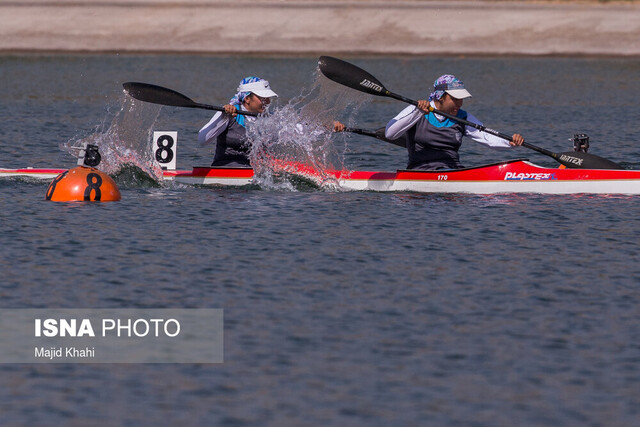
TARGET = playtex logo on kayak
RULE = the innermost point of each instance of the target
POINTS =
(529, 176)
(111, 336)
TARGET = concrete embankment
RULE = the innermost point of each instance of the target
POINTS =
(301, 27)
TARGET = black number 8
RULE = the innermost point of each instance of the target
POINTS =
(95, 186)
(164, 154)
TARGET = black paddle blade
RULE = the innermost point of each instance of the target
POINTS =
(157, 95)
(351, 76)
(581, 160)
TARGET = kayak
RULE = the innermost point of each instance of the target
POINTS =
(513, 176)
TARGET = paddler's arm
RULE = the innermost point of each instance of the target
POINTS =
(401, 123)
(488, 139)
(218, 123)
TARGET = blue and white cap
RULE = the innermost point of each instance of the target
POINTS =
(451, 85)
(254, 85)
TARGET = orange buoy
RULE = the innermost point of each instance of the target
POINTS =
(83, 184)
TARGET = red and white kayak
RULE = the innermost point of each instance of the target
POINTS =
(515, 176)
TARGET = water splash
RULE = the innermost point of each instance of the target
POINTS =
(293, 148)
(298, 139)
(126, 142)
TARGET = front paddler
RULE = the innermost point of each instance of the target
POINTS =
(228, 129)
(433, 141)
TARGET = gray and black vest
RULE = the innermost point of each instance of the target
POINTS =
(433, 144)
(231, 145)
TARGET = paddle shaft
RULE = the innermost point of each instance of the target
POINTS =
(571, 160)
(566, 159)
(452, 117)
(378, 134)
(217, 108)
(475, 125)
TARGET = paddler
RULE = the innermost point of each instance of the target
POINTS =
(433, 140)
(228, 129)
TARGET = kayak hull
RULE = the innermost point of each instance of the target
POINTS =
(515, 176)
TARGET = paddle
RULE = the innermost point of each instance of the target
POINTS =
(379, 134)
(161, 95)
(356, 78)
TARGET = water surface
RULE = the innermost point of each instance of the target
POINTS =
(347, 308)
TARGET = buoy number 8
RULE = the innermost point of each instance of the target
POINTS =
(93, 186)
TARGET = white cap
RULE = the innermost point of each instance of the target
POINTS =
(451, 85)
(260, 88)
(458, 93)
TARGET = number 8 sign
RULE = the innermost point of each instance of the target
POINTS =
(165, 145)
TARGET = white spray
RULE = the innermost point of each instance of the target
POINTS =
(126, 141)
(298, 139)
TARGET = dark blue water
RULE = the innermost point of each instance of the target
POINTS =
(340, 308)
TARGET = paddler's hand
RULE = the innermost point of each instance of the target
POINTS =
(231, 110)
(424, 105)
(516, 139)
(338, 127)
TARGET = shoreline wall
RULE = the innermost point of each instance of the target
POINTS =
(364, 27)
